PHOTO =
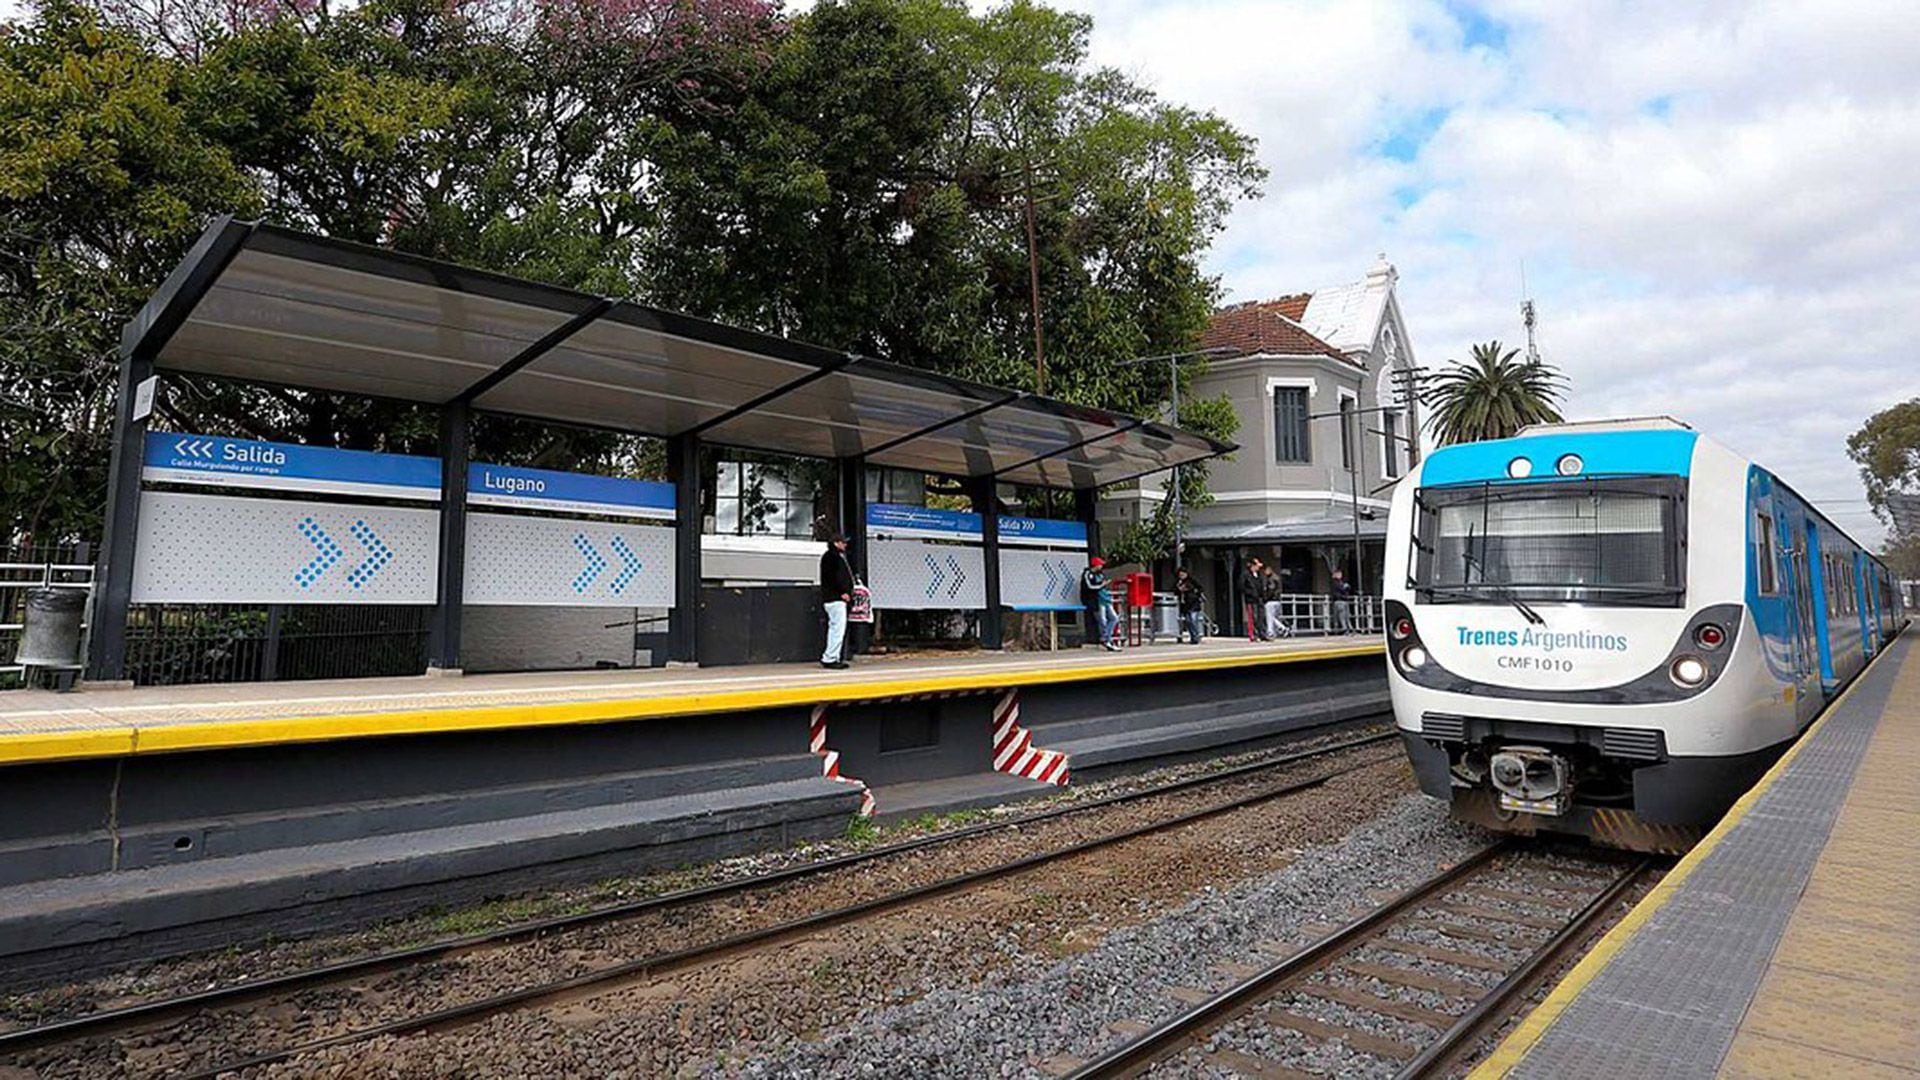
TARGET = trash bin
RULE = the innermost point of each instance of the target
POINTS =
(1166, 615)
(50, 632)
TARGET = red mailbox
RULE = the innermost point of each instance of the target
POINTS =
(1140, 590)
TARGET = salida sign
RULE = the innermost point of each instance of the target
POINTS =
(213, 461)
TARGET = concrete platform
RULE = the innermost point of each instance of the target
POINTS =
(1787, 943)
(37, 725)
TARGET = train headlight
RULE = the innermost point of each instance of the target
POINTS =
(1569, 465)
(1709, 636)
(1688, 671)
(1519, 468)
(1414, 658)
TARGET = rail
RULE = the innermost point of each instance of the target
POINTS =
(147, 1016)
(1475, 901)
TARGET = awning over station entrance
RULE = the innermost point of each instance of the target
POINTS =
(264, 304)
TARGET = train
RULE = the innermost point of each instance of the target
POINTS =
(1611, 629)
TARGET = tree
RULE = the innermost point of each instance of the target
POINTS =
(855, 176)
(104, 181)
(1901, 553)
(1492, 396)
(1887, 449)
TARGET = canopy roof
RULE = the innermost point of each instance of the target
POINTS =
(264, 304)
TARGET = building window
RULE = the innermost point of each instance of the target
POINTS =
(1290, 438)
(1347, 417)
(1390, 435)
(755, 499)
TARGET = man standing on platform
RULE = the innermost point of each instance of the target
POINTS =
(1193, 606)
(836, 589)
(1250, 600)
(1093, 590)
(1342, 596)
(1271, 590)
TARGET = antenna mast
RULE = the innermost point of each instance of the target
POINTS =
(1526, 316)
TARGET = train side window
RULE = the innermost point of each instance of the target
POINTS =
(1763, 553)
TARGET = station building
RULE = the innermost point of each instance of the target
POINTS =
(1319, 381)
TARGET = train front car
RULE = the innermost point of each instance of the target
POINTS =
(1570, 646)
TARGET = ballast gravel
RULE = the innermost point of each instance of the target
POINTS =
(1010, 1025)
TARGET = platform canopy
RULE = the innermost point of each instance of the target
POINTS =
(264, 304)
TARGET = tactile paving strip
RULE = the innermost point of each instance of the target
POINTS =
(1672, 999)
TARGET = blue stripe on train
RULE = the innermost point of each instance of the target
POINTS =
(1603, 453)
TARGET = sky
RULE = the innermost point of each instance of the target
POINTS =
(1716, 206)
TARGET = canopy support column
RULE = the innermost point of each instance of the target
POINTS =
(1086, 507)
(443, 650)
(683, 624)
(981, 490)
(852, 506)
(107, 642)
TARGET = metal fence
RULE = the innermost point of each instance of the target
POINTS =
(16, 579)
(172, 644)
(1309, 615)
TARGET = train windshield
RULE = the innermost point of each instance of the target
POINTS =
(1600, 541)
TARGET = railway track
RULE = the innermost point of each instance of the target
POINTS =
(181, 1020)
(1402, 991)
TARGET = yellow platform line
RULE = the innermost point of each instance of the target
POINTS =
(1516, 1045)
(267, 731)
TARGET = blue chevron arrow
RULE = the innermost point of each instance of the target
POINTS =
(938, 576)
(595, 562)
(1052, 580)
(378, 554)
(631, 567)
(958, 577)
(327, 551)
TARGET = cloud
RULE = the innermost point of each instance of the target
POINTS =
(1712, 201)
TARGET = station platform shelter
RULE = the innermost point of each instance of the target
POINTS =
(1787, 943)
(144, 819)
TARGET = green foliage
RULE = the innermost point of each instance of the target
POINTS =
(856, 176)
(104, 179)
(1887, 449)
(1901, 553)
(1493, 396)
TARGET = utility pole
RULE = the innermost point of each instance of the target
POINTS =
(1407, 385)
(1033, 287)
(1173, 384)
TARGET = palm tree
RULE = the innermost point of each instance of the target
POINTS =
(1493, 396)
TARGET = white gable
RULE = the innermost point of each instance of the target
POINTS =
(1347, 317)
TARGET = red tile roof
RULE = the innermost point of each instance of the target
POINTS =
(1271, 327)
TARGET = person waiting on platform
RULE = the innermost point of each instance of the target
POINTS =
(1093, 590)
(836, 589)
(1342, 596)
(1271, 590)
(1250, 602)
(1193, 606)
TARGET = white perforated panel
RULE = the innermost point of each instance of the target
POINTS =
(221, 549)
(916, 574)
(1039, 580)
(513, 559)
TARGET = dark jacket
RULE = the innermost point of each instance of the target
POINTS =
(1249, 587)
(1341, 590)
(1093, 584)
(1192, 597)
(836, 575)
(1271, 587)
